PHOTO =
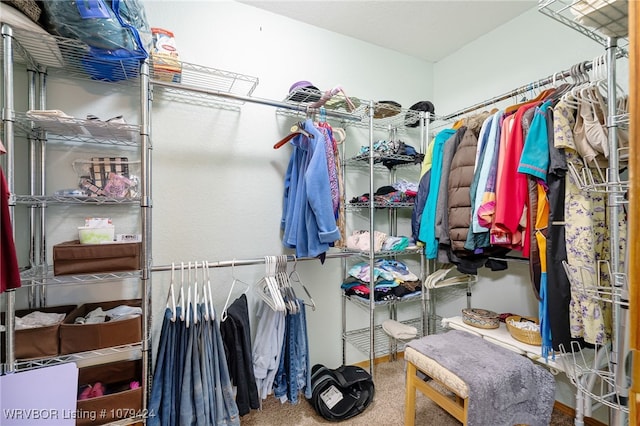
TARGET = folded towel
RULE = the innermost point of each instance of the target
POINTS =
(399, 330)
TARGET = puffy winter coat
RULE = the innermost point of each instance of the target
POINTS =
(459, 183)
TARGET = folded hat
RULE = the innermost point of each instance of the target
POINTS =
(411, 119)
(384, 109)
(340, 102)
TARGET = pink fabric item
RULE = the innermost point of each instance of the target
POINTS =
(9, 272)
(360, 240)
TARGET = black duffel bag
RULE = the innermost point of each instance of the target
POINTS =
(341, 393)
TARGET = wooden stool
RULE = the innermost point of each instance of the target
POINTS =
(456, 406)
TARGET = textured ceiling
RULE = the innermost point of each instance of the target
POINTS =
(429, 30)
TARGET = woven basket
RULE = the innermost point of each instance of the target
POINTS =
(29, 7)
(480, 318)
(525, 336)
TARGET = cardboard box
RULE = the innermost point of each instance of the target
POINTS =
(88, 337)
(112, 406)
(37, 342)
(71, 257)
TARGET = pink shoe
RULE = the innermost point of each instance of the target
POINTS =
(86, 393)
(98, 390)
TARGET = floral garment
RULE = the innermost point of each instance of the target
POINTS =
(587, 237)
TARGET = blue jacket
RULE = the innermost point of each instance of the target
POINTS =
(427, 232)
(308, 219)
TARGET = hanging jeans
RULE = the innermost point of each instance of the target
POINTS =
(226, 407)
(294, 375)
(191, 383)
(162, 407)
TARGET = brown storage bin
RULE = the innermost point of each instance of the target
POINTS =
(88, 337)
(71, 257)
(41, 341)
(113, 406)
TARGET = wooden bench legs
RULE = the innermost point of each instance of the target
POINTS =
(456, 407)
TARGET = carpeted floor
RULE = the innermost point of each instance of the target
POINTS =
(387, 408)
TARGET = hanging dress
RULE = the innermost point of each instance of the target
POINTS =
(587, 239)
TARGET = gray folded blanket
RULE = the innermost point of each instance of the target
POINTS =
(504, 388)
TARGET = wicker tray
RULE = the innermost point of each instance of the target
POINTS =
(525, 336)
(481, 318)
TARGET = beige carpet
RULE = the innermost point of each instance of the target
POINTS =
(387, 408)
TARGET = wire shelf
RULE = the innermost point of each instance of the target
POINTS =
(34, 277)
(211, 80)
(80, 130)
(378, 205)
(359, 338)
(361, 161)
(364, 302)
(384, 253)
(599, 283)
(70, 59)
(388, 116)
(598, 20)
(590, 370)
(43, 200)
(85, 359)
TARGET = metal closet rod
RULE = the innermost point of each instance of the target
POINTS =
(536, 84)
(262, 101)
(246, 262)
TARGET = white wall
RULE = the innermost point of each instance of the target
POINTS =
(217, 180)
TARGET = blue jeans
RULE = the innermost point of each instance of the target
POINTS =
(162, 409)
(191, 383)
(294, 375)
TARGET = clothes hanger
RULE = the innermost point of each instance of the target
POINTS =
(172, 296)
(182, 299)
(223, 316)
(513, 108)
(293, 303)
(266, 289)
(188, 304)
(296, 129)
(570, 95)
(330, 94)
(196, 299)
(295, 277)
(339, 134)
(205, 295)
(274, 286)
(210, 309)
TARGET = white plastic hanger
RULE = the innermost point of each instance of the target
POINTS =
(188, 301)
(295, 277)
(171, 297)
(274, 286)
(223, 316)
(209, 309)
(264, 287)
(196, 299)
(182, 299)
(288, 295)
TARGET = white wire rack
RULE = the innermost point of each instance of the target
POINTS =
(212, 81)
(595, 177)
(591, 371)
(599, 283)
(386, 116)
(597, 20)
